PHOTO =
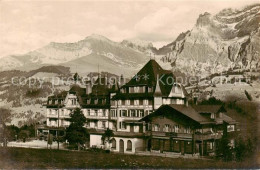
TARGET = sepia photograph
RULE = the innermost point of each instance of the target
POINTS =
(129, 84)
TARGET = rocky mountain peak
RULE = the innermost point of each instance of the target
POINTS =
(203, 20)
(97, 37)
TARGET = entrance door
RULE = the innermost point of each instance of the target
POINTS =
(121, 146)
(182, 147)
(141, 128)
(161, 146)
(149, 144)
(131, 128)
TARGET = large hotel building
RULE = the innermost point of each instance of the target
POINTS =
(149, 113)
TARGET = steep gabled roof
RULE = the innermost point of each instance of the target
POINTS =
(190, 112)
(209, 108)
(148, 76)
(78, 90)
(183, 112)
(101, 86)
(228, 119)
(61, 95)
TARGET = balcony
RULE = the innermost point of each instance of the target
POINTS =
(169, 134)
(207, 136)
(56, 116)
(131, 118)
(52, 116)
(96, 117)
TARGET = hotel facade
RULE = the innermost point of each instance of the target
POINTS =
(149, 113)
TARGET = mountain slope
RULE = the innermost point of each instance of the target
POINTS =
(81, 56)
(227, 40)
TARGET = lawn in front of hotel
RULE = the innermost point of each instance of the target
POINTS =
(43, 158)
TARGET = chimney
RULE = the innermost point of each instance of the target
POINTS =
(220, 115)
(121, 81)
(186, 102)
(89, 87)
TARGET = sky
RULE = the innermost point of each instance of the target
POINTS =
(28, 25)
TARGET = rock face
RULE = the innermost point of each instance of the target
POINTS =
(227, 40)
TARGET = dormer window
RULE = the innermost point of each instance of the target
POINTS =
(212, 115)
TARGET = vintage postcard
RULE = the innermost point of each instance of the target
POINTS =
(107, 84)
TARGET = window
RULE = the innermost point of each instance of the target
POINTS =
(188, 147)
(231, 128)
(104, 112)
(119, 102)
(150, 102)
(212, 115)
(176, 128)
(150, 89)
(187, 130)
(113, 141)
(103, 124)
(113, 103)
(123, 125)
(141, 112)
(136, 89)
(124, 113)
(176, 146)
(123, 102)
(136, 102)
(141, 89)
(132, 113)
(145, 102)
(131, 102)
(167, 128)
(155, 144)
(96, 101)
(129, 145)
(127, 102)
(156, 127)
(141, 102)
(131, 89)
(96, 112)
(210, 145)
(95, 124)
